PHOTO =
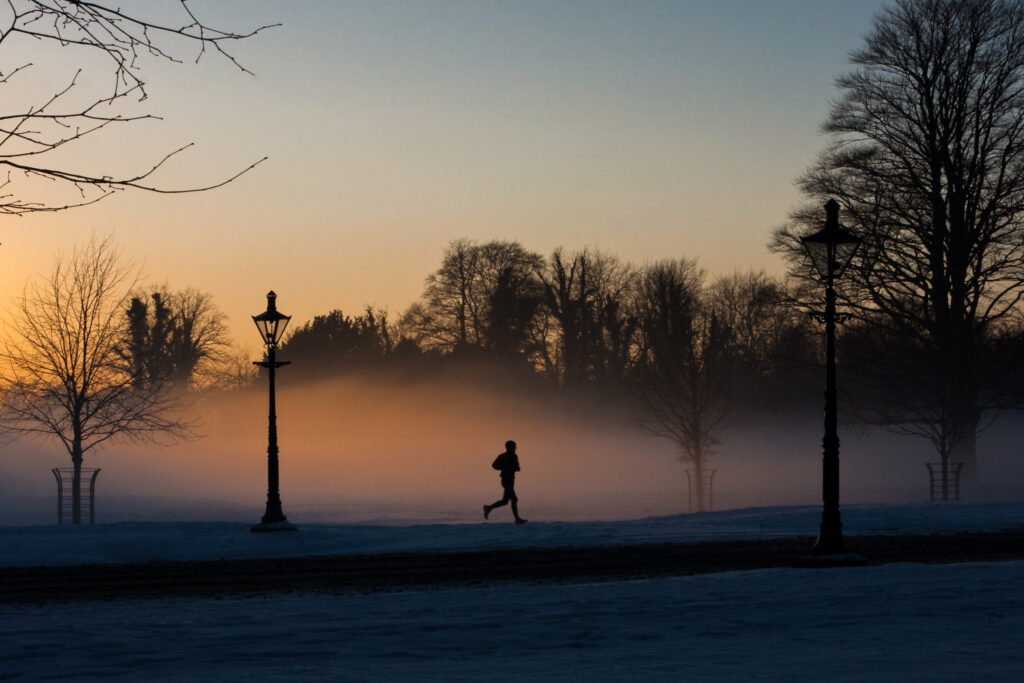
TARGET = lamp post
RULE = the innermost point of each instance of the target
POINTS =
(830, 249)
(271, 324)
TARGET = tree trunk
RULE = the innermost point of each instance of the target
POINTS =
(945, 477)
(76, 491)
(76, 479)
(698, 475)
(965, 451)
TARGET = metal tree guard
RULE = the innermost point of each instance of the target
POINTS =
(65, 477)
(945, 480)
(706, 492)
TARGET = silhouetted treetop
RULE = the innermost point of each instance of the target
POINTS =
(586, 295)
(335, 343)
(457, 310)
(176, 337)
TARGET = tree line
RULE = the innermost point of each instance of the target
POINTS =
(575, 321)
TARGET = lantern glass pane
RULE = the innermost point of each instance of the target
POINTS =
(819, 253)
(261, 325)
(843, 255)
(282, 323)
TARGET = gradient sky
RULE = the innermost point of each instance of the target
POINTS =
(647, 129)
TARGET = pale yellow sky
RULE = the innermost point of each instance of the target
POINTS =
(649, 130)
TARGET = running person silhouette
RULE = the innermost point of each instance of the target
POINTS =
(508, 464)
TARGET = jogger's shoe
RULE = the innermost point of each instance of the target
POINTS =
(487, 511)
(520, 521)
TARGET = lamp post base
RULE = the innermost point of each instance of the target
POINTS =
(283, 525)
(830, 548)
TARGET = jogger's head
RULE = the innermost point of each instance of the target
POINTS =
(510, 445)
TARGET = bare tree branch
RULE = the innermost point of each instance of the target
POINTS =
(117, 40)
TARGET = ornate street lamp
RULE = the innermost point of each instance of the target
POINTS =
(271, 324)
(830, 249)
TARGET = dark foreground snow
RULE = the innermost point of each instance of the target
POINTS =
(903, 622)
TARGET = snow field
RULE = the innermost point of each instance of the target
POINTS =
(898, 622)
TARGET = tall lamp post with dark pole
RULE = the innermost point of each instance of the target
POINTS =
(831, 249)
(271, 324)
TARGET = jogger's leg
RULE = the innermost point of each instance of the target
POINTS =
(515, 506)
(495, 504)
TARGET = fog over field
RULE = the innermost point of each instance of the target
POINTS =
(352, 451)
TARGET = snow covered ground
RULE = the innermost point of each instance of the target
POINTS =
(897, 622)
(144, 541)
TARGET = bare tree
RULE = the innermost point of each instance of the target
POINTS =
(456, 310)
(771, 338)
(570, 298)
(234, 371)
(60, 371)
(683, 370)
(199, 338)
(110, 45)
(450, 314)
(179, 337)
(513, 308)
(927, 158)
(584, 293)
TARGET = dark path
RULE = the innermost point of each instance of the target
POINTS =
(399, 571)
